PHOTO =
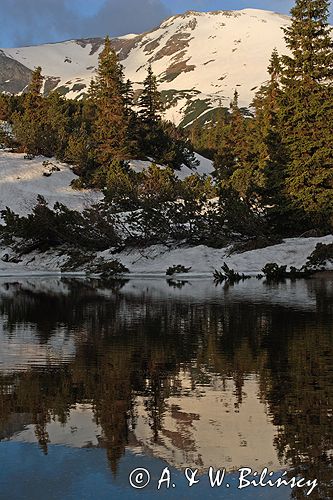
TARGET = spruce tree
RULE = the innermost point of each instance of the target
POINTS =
(232, 145)
(29, 128)
(309, 40)
(34, 97)
(107, 93)
(150, 100)
(307, 113)
(128, 96)
(269, 159)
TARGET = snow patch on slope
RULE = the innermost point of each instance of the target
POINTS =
(22, 180)
(205, 167)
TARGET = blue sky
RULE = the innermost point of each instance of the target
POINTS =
(27, 22)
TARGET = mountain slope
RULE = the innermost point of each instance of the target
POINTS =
(200, 58)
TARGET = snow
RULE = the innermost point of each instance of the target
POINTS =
(205, 167)
(79, 431)
(203, 260)
(22, 180)
(152, 262)
(128, 37)
(238, 47)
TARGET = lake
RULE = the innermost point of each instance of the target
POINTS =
(98, 379)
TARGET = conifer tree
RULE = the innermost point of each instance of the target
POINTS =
(310, 42)
(269, 159)
(29, 128)
(4, 107)
(307, 112)
(107, 93)
(158, 185)
(34, 97)
(150, 99)
(232, 145)
(57, 124)
(121, 185)
(128, 96)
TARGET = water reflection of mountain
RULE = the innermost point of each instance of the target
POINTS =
(170, 374)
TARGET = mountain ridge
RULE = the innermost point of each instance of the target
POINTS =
(199, 58)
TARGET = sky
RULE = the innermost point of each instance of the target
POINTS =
(29, 22)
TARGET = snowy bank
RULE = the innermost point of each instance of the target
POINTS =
(204, 260)
(155, 260)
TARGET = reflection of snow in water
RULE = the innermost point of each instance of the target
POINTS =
(80, 430)
(204, 427)
(200, 428)
(21, 348)
(300, 294)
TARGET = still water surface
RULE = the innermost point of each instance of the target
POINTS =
(97, 379)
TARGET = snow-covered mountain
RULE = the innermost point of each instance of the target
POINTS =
(200, 58)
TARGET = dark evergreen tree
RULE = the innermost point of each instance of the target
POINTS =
(232, 147)
(121, 185)
(29, 128)
(107, 93)
(128, 96)
(34, 97)
(307, 113)
(310, 42)
(158, 185)
(150, 100)
(269, 159)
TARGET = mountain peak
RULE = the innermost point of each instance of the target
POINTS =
(199, 58)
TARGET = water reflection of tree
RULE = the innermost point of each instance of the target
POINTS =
(129, 346)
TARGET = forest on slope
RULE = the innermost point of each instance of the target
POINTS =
(273, 167)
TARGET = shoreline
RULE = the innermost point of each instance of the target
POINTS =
(153, 262)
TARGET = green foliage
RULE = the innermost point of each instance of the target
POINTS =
(107, 269)
(269, 156)
(107, 94)
(232, 148)
(78, 260)
(205, 138)
(230, 276)
(321, 255)
(83, 260)
(28, 127)
(121, 185)
(167, 144)
(150, 100)
(46, 228)
(274, 272)
(79, 152)
(240, 217)
(309, 40)
(255, 243)
(11, 226)
(307, 113)
(158, 185)
(178, 269)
